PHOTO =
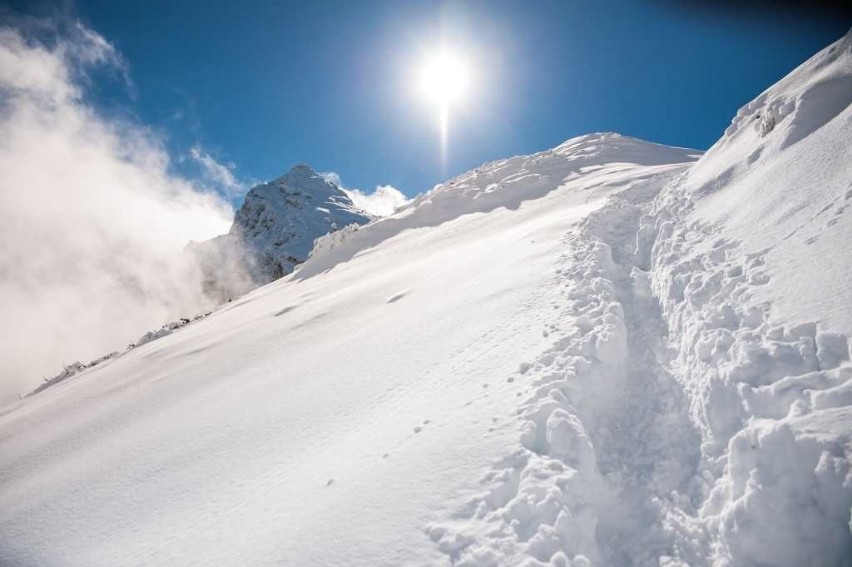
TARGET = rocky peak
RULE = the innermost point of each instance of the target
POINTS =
(275, 228)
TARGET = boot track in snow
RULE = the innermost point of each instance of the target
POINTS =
(607, 469)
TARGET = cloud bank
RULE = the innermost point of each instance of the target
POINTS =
(383, 201)
(92, 221)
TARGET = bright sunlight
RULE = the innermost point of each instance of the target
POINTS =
(444, 81)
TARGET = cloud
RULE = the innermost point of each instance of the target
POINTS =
(92, 220)
(332, 177)
(221, 175)
(383, 201)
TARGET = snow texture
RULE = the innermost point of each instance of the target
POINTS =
(608, 353)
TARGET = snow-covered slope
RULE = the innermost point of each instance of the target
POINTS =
(601, 354)
(274, 230)
(752, 265)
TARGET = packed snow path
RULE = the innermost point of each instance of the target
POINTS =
(609, 453)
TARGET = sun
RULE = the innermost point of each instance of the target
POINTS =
(444, 79)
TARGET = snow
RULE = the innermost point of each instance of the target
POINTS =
(607, 353)
(752, 268)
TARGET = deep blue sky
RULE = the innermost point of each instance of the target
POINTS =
(265, 85)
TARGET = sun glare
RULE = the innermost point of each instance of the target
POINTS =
(444, 81)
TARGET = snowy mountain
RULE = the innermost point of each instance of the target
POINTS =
(274, 231)
(609, 353)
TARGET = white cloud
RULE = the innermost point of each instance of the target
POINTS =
(221, 175)
(92, 222)
(332, 177)
(383, 201)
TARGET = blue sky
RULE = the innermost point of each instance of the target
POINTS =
(262, 86)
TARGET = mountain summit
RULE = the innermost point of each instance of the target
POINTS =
(274, 230)
(279, 220)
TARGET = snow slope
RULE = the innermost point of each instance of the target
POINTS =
(607, 353)
(752, 268)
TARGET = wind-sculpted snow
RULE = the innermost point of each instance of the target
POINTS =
(593, 160)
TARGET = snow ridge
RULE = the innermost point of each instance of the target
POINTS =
(598, 159)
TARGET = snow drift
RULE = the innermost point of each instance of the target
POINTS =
(608, 353)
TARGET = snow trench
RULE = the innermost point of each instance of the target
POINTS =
(670, 423)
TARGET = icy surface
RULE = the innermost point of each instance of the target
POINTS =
(603, 354)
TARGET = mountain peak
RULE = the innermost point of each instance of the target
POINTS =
(278, 222)
(300, 171)
(302, 168)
